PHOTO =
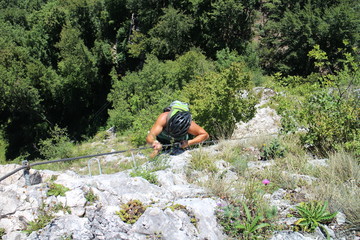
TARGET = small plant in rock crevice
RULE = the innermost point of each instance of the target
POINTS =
(160, 162)
(273, 150)
(155, 236)
(241, 221)
(44, 218)
(67, 237)
(59, 207)
(183, 208)
(56, 190)
(40, 222)
(251, 224)
(146, 174)
(202, 161)
(2, 232)
(312, 215)
(131, 211)
(90, 197)
(177, 207)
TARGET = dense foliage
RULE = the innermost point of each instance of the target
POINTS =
(77, 66)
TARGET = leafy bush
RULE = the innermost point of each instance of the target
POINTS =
(220, 100)
(325, 105)
(58, 145)
(272, 150)
(332, 120)
(3, 146)
(312, 215)
(131, 211)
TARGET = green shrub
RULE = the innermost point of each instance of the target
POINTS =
(288, 104)
(58, 145)
(289, 81)
(120, 117)
(219, 100)
(331, 120)
(325, 105)
(273, 150)
(3, 147)
(131, 211)
(142, 124)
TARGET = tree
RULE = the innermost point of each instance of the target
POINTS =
(21, 113)
(289, 35)
(79, 81)
(227, 24)
(171, 35)
(45, 28)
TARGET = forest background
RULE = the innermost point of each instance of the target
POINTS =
(70, 69)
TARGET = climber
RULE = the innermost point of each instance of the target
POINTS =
(175, 125)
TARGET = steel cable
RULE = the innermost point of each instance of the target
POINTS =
(29, 165)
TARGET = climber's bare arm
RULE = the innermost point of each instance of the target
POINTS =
(199, 133)
(156, 130)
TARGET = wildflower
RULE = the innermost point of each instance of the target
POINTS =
(265, 181)
(219, 204)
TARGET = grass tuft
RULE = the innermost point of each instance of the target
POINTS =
(201, 160)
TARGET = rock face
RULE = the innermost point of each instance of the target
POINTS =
(74, 217)
(175, 209)
(265, 122)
